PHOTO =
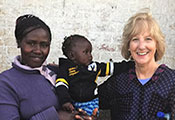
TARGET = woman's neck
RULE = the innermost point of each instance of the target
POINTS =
(146, 71)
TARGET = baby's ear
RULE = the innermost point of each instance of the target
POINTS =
(71, 55)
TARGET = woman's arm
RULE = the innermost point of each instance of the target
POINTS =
(9, 102)
(106, 93)
(172, 104)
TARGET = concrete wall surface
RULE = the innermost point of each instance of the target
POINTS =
(101, 21)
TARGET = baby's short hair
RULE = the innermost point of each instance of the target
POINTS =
(69, 43)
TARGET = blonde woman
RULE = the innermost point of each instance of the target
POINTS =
(147, 88)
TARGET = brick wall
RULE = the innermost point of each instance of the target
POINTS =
(101, 21)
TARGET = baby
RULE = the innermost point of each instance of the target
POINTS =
(76, 81)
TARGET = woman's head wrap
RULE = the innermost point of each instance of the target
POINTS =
(28, 23)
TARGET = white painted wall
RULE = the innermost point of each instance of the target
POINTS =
(101, 21)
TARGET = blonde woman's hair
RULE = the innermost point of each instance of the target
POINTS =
(138, 23)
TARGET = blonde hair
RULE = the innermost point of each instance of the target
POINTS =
(139, 23)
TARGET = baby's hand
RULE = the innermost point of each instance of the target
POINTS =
(68, 107)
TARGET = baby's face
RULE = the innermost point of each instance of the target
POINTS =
(82, 52)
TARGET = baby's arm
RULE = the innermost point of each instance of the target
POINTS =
(62, 87)
(111, 68)
(120, 67)
(62, 92)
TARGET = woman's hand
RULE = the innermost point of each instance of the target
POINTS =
(53, 64)
(78, 115)
(82, 115)
(66, 115)
(68, 107)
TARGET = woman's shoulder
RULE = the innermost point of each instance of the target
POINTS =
(6, 73)
(6, 79)
(164, 67)
(166, 70)
(9, 76)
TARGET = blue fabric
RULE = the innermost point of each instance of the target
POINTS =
(144, 81)
(88, 106)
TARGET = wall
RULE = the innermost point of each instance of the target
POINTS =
(101, 21)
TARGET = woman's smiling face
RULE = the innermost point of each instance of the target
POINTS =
(35, 48)
(143, 48)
